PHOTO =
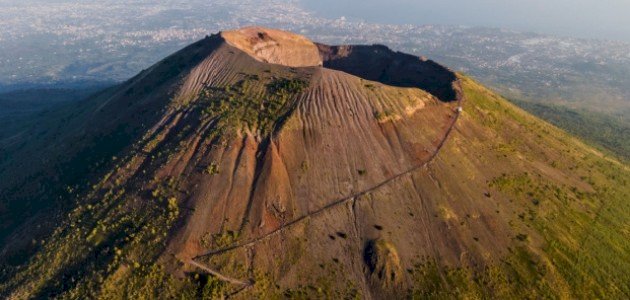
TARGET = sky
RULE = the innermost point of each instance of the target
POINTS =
(604, 19)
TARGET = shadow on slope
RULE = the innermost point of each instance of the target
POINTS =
(379, 63)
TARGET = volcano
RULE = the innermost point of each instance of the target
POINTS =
(256, 163)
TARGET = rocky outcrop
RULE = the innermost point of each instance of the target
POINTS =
(274, 46)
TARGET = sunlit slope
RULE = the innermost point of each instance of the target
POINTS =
(566, 207)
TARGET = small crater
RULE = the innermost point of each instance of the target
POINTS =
(383, 263)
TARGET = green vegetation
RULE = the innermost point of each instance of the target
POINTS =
(286, 87)
(225, 239)
(212, 169)
(575, 207)
(384, 116)
(252, 103)
(583, 231)
(318, 287)
(521, 275)
(103, 243)
(108, 245)
(608, 132)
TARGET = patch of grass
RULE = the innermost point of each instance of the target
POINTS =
(520, 275)
(212, 169)
(225, 239)
(605, 131)
(384, 116)
(106, 243)
(253, 104)
(304, 166)
(569, 198)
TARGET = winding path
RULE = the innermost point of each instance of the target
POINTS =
(315, 213)
(219, 275)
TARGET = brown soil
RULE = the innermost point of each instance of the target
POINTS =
(274, 46)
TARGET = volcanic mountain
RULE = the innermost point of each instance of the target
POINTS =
(257, 164)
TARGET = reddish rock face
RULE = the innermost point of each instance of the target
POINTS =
(274, 46)
(261, 144)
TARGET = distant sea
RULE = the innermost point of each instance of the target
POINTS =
(584, 22)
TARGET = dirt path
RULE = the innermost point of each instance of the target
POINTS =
(219, 275)
(336, 203)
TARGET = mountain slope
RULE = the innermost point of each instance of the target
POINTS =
(236, 176)
(610, 133)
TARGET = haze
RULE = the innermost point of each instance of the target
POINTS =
(604, 19)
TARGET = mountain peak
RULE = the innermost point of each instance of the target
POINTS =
(274, 46)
